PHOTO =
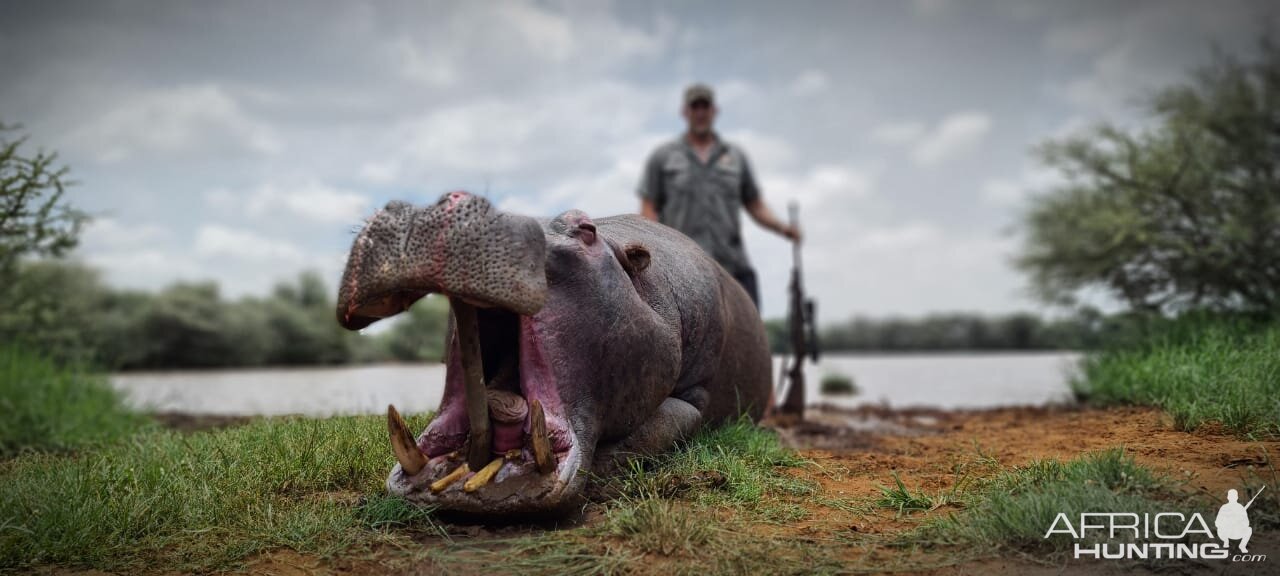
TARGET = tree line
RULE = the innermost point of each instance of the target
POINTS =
(64, 310)
(1085, 329)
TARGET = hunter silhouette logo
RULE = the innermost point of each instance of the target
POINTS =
(1233, 520)
(1134, 536)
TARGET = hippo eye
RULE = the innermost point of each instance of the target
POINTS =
(638, 256)
(634, 258)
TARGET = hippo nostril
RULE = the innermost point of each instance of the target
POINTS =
(587, 232)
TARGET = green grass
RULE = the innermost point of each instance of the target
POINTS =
(660, 526)
(902, 499)
(1197, 369)
(205, 500)
(838, 384)
(1013, 509)
(736, 464)
(210, 500)
(51, 408)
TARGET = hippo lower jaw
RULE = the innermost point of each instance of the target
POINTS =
(525, 407)
(518, 487)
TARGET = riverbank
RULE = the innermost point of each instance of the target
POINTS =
(820, 498)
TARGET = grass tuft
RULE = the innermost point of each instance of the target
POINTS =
(1014, 509)
(660, 526)
(902, 499)
(837, 384)
(52, 408)
(735, 464)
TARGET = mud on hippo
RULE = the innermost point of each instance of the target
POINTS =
(574, 344)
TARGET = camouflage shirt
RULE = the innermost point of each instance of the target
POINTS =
(702, 200)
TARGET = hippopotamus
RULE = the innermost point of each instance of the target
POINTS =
(574, 344)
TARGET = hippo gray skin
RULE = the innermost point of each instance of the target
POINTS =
(600, 338)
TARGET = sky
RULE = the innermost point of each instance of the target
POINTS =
(244, 142)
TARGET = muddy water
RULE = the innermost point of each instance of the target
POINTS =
(941, 381)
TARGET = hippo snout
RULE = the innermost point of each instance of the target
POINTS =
(460, 246)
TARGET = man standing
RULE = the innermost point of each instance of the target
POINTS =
(698, 182)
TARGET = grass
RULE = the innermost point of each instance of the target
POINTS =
(210, 500)
(206, 500)
(838, 384)
(51, 408)
(1199, 370)
(902, 499)
(659, 526)
(1013, 509)
(736, 464)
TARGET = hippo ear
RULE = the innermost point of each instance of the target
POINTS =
(637, 258)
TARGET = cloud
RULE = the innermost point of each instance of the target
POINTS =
(213, 240)
(189, 118)
(809, 82)
(1128, 53)
(105, 233)
(953, 135)
(820, 185)
(764, 151)
(904, 132)
(539, 135)
(310, 201)
(1001, 192)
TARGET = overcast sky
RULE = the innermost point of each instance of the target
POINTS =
(243, 141)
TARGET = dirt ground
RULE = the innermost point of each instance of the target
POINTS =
(855, 452)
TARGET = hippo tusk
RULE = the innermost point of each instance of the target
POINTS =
(486, 474)
(473, 374)
(411, 459)
(439, 485)
(538, 438)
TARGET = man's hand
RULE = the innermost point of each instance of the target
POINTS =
(791, 232)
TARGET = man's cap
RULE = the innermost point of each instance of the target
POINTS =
(697, 92)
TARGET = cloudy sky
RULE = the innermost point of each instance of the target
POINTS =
(243, 141)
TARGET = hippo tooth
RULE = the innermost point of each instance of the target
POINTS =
(411, 459)
(484, 475)
(464, 316)
(538, 438)
(450, 478)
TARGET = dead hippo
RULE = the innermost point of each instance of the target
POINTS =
(574, 343)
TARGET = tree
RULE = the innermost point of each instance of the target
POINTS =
(34, 219)
(420, 335)
(1183, 214)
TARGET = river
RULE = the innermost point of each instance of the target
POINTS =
(915, 380)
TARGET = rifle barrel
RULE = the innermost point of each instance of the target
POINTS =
(1255, 497)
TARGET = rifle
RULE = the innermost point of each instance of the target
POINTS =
(802, 331)
(1255, 497)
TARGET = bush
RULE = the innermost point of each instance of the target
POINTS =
(837, 384)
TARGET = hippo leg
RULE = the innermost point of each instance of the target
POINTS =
(674, 420)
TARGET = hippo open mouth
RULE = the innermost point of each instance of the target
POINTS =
(531, 453)
(501, 441)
